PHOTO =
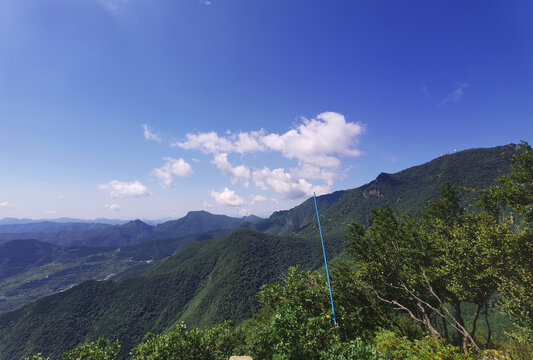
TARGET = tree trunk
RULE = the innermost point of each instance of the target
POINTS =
(488, 324)
(474, 325)
(427, 322)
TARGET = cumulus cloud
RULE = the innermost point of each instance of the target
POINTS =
(238, 173)
(245, 212)
(249, 142)
(316, 144)
(257, 198)
(112, 207)
(149, 135)
(207, 205)
(119, 189)
(206, 142)
(177, 167)
(5, 204)
(308, 171)
(456, 95)
(227, 197)
(286, 184)
(315, 141)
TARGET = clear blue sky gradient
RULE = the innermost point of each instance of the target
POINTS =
(79, 78)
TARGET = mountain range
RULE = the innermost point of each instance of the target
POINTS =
(31, 268)
(209, 277)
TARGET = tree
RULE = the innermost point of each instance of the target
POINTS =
(420, 265)
(301, 322)
(296, 320)
(102, 349)
(215, 343)
(512, 202)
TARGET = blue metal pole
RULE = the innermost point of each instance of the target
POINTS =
(325, 262)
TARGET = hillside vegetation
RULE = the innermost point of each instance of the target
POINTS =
(31, 269)
(212, 281)
(205, 283)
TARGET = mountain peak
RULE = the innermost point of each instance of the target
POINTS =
(385, 178)
(193, 213)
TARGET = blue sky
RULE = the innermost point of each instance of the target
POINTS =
(151, 108)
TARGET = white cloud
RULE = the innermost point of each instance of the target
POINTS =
(316, 144)
(286, 184)
(314, 141)
(178, 167)
(308, 171)
(5, 204)
(206, 142)
(245, 212)
(118, 189)
(62, 197)
(456, 95)
(50, 212)
(207, 205)
(257, 198)
(112, 207)
(149, 135)
(249, 142)
(227, 197)
(317, 140)
(238, 173)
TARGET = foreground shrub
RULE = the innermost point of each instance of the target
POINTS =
(218, 342)
(102, 349)
(393, 347)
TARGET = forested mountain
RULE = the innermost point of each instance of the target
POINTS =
(34, 267)
(31, 269)
(211, 281)
(196, 222)
(407, 190)
(204, 283)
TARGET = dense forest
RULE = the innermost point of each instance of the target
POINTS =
(451, 281)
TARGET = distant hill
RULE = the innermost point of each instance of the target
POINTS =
(61, 220)
(18, 256)
(31, 269)
(48, 227)
(196, 222)
(127, 234)
(94, 252)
